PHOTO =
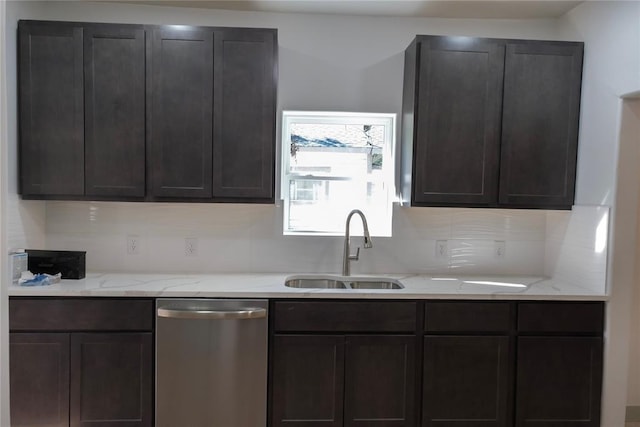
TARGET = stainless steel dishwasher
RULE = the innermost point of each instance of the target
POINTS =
(211, 363)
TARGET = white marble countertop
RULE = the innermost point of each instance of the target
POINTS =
(271, 285)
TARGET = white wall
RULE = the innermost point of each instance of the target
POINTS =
(611, 32)
(631, 123)
(607, 165)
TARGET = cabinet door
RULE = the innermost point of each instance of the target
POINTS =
(111, 380)
(51, 110)
(458, 107)
(466, 381)
(244, 114)
(307, 380)
(39, 379)
(380, 381)
(559, 380)
(540, 124)
(180, 102)
(114, 111)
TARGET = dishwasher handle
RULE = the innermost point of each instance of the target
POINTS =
(235, 314)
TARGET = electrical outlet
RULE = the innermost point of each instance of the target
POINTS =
(499, 248)
(442, 249)
(191, 246)
(133, 245)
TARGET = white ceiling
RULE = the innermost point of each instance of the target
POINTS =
(500, 9)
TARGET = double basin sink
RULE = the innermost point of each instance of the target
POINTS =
(341, 282)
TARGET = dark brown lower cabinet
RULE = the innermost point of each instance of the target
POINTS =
(559, 381)
(81, 379)
(80, 362)
(380, 379)
(308, 380)
(111, 379)
(343, 380)
(466, 381)
(39, 379)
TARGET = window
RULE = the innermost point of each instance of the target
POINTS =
(333, 163)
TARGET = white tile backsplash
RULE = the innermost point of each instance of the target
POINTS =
(576, 246)
(498, 224)
(248, 238)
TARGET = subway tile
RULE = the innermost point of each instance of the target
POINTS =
(498, 224)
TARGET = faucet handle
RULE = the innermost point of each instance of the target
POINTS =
(356, 256)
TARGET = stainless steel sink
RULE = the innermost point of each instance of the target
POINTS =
(342, 282)
(314, 282)
(376, 284)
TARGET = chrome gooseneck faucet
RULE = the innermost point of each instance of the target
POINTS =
(347, 257)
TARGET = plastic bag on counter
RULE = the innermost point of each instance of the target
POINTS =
(27, 278)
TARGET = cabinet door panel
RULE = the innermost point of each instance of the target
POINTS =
(114, 100)
(307, 381)
(380, 381)
(458, 121)
(540, 124)
(51, 110)
(559, 381)
(111, 380)
(181, 102)
(244, 113)
(466, 381)
(39, 379)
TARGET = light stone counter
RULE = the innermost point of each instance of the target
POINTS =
(270, 285)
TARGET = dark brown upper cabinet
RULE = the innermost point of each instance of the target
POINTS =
(212, 94)
(244, 113)
(81, 110)
(490, 122)
(51, 110)
(114, 111)
(458, 130)
(180, 99)
(541, 111)
(133, 112)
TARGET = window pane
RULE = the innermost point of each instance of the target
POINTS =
(323, 206)
(333, 163)
(336, 149)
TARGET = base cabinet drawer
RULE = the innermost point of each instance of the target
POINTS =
(80, 314)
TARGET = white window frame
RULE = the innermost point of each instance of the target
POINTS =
(331, 117)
